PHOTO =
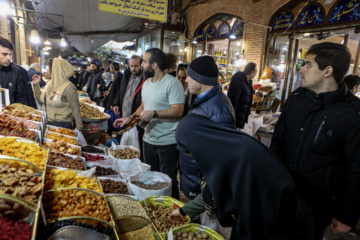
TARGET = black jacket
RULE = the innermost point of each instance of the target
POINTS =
(110, 100)
(12, 79)
(75, 79)
(317, 137)
(240, 94)
(28, 88)
(31, 73)
(83, 79)
(94, 79)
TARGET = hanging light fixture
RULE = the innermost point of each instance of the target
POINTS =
(232, 36)
(46, 53)
(34, 36)
(63, 41)
(194, 41)
(47, 42)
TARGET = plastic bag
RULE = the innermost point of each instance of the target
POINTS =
(131, 167)
(81, 138)
(97, 94)
(150, 178)
(131, 138)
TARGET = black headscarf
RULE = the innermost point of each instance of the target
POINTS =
(243, 175)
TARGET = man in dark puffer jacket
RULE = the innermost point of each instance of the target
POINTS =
(212, 103)
(240, 94)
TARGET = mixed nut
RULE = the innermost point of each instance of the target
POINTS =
(155, 186)
(61, 160)
(160, 217)
(111, 186)
(125, 153)
(121, 206)
(20, 182)
(62, 147)
(89, 112)
(191, 236)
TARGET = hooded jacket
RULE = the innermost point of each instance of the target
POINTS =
(217, 107)
(60, 96)
(244, 177)
(240, 95)
(317, 137)
(12, 79)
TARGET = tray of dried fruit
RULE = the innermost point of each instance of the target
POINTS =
(96, 157)
(159, 209)
(64, 131)
(92, 114)
(77, 228)
(61, 137)
(62, 147)
(76, 202)
(60, 178)
(123, 152)
(24, 149)
(72, 162)
(136, 228)
(93, 150)
(22, 114)
(115, 186)
(18, 218)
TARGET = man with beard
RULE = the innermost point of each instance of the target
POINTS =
(317, 139)
(95, 78)
(161, 108)
(10, 75)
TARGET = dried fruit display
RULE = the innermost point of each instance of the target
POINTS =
(57, 178)
(92, 149)
(91, 158)
(28, 151)
(64, 131)
(9, 127)
(14, 230)
(20, 182)
(87, 101)
(21, 107)
(160, 217)
(20, 113)
(125, 153)
(103, 171)
(111, 186)
(28, 124)
(62, 147)
(61, 160)
(13, 210)
(89, 112)
(58, 137)
(144, 233)
(69, 202)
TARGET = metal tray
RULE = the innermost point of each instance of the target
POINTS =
(77, 232)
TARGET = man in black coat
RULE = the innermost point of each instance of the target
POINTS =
(240, 94)
(111, 94)
(317, 138)
(95, 78)
(10, 75)
(83, 78)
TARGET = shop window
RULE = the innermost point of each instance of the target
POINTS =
(156, 39)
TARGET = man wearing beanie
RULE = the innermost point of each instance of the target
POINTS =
(161, 107)
(212, 103)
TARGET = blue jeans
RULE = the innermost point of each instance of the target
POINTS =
(163, 158)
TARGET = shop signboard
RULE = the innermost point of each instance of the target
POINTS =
(313, 15)
(199, 36)
(152, 10)
(211, 32)
(224, 30)
(238, 29)
(282, 21)
(84, 61)
(73, 61)
(345, 10)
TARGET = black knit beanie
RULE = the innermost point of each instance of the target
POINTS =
(204, 70)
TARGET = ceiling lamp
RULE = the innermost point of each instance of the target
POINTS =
(34, 36)
(63, 41)
(47, 48)
(232, 36)
(46, 53)
(47, 42)
(194, 41)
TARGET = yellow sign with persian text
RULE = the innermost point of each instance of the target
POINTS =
(149, 9)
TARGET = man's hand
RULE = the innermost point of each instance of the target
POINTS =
(116, 109)
(146, 116)
(106, 93)
(121, 122)
(175, 216)
(36, 79)
(339, 227)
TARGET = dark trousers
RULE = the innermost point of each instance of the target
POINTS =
(61, 124)
(163, 159)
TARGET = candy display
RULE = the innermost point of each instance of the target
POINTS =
(61, 160)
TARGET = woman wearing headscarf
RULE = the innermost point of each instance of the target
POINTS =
(247, 186)
(60, 98)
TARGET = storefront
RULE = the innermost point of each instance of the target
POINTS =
(221, 36)
(298, 25)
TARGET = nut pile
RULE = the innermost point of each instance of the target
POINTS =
(64, 131)
(14, 230)
(61, 160)
(56, 179)
(144, 233)
(126, 153)
(62, 147)
(121, 206)
(30, 152)
(111, 186)
(13, 210)
(160, 217)
(191, 236)
(20, 113)
(21, 107)
(155, 186)
(58, 137)
(20, 182)
(103, 171)
(10, 127)
(70, 202)
(92, 149)
(89, 112)
(91, 158)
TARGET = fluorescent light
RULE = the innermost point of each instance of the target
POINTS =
(47, 42)
(63, 42)
(194, 41)
(34, 36)
(306, 34)
(5, 8)
(46, 53)
(232, 36)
